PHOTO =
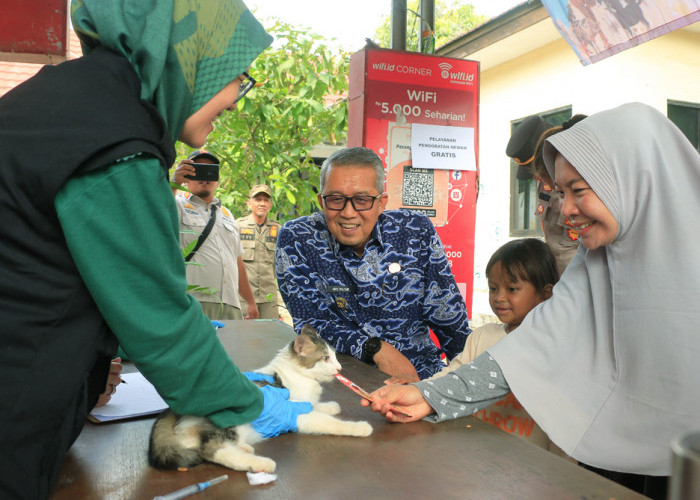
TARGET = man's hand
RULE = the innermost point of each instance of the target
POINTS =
(405, 398)
(392, 362)
(184, 168)
(252, 312)
(399, 379)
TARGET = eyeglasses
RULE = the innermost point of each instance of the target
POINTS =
(247, 84)
(359, 203)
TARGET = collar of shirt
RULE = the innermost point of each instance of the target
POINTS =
(200, 203)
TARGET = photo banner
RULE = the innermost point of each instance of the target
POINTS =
(597, 29)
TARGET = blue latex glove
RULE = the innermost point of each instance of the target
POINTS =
(259, 377)
(217, 324)
(279, 415)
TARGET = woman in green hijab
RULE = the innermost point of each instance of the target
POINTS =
(92, 258)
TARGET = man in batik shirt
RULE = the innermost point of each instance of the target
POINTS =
(371, 282)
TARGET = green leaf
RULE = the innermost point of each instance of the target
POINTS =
(290, 196)
(180, 187)
(202, 289)
(188, 249)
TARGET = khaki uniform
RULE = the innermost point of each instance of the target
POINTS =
(561, 239)
(259, 244)
(218, 255)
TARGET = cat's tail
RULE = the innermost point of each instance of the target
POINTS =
(165, 451)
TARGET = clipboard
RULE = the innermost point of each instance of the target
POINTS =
(136, 398)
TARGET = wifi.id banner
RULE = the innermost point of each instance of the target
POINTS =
(420, 114)
(597, 29)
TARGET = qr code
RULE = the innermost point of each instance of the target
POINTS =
(418, 187)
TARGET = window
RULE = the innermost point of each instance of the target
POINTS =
(686, 116)
(523, 193)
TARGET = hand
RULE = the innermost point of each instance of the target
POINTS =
(390, 360)
(113, 380)
(405, 398)
(279, 415)
(253, 312)
(184, 168)
(399, 379)
(259, 377)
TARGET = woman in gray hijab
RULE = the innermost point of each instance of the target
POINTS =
(620, 381)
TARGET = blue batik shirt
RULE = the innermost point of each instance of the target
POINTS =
(401, 287)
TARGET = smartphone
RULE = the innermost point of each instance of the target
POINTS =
(205, 172)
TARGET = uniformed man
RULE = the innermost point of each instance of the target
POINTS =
(221, 273)
(259, 239)
(561, 239)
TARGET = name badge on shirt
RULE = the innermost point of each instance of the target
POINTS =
(339, 289)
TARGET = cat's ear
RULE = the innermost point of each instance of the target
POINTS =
(306, 339)
(309, 330)
(301, 341)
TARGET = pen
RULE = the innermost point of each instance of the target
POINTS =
(191, 490)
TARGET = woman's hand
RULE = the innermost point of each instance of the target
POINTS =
(404, 398)
(113, 380)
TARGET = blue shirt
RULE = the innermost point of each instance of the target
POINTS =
(399, 289)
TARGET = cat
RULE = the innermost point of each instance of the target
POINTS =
(185, 441)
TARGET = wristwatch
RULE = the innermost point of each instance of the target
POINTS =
(371, 347)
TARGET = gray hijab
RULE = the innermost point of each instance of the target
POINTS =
(609, 367)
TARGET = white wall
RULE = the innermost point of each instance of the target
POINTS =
(551, 77)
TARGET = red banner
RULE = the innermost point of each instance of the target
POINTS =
(33, 31)
(390, 91)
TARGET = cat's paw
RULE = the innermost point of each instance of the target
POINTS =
(262, 464)
(361, 429)
(246, 447)
(329, 408)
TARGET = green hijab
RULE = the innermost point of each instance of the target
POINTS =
(183, 51)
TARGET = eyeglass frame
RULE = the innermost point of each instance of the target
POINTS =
(245, 87)
(351, 199)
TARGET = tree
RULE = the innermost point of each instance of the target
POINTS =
(452, 19)
(300, 101)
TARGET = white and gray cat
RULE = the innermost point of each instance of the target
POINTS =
(301, 367)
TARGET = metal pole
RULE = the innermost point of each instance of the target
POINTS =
(398, 24)
(427, 35)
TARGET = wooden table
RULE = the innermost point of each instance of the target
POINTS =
(463, 458)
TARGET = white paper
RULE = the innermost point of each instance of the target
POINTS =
(136, 398)
(442, 147)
